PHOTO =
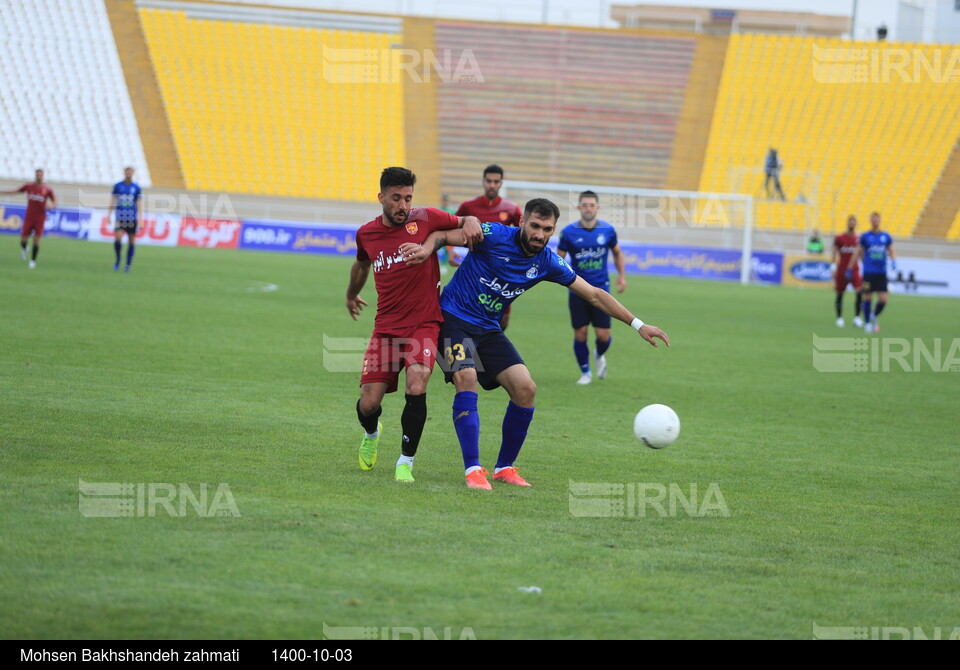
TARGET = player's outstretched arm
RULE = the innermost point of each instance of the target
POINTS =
(358, 277)
(610, 305)
(414, 253)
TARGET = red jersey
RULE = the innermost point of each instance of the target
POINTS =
(500, 210)
(37, 195)
(846, 244)
(407, 295)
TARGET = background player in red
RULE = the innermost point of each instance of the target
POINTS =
(407, 324)
(847, 271)
(38, 195)
(490, 207)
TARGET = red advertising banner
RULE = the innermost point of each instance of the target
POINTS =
(209, 233)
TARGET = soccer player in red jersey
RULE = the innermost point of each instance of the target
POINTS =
(38, 194)
(490, 207)
(846, 271)
(407, 324)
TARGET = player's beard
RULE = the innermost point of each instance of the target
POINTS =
(398, 218)
(491, 193)
(525, 243)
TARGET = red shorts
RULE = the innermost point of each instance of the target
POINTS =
(34, 226)
(848, 277)
(386, 354)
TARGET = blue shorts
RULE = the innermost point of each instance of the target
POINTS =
(464, 345)
(582, 313)
(874, 282)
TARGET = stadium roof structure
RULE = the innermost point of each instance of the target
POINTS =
(726, 21)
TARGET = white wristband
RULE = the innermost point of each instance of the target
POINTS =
(636, 324)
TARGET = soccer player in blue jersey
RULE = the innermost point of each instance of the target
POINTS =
(505, 265)
(875, 247)
(589, 242)
(126, 201)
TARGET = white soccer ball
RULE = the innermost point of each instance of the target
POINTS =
(657, 426)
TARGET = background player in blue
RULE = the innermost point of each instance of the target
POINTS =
(126, 202)
(589, 242)
(875, 247)
(505, 265)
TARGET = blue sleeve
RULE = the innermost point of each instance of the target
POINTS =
(492, 233)
(613, 238)
(560, 272)
(116, 189)
(562, 242)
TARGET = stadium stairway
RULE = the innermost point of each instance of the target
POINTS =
(943, 207)
(144, 94)
(693, 128)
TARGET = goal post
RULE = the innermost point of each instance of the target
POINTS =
(653, 216)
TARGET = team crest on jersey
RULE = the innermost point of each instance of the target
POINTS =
(601, 239)
(532, 272)
(504, 216)
(412, 227)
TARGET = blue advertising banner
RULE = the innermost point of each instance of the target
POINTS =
(700, 263)
(65, 221)
(315, 239)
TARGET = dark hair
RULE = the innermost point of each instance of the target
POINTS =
(589, 194)
(493, 168)
(396, 176)
(542, 208)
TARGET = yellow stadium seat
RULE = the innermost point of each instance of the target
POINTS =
(878, 144)
(251, 110)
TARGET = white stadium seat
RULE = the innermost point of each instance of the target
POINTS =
(82, 127)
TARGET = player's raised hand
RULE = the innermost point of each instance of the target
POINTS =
(472, 231)
(355, 306)
(649, 332)
(413, 253)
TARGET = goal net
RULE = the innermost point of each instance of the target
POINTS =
(656, 217)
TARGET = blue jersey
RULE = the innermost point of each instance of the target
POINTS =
(589, 250)
(127, 197)
(496, 273)
(875, 247)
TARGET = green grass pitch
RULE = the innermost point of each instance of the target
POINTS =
(841, 488)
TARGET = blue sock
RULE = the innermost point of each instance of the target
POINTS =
(466, 421)
(583, 355)
(130, 248)
(603, 346)
(117, 246)
(880, 306)
(866, 311)
(515, 424)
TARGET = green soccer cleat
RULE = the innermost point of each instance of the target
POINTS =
(405, 473)
(368, 450)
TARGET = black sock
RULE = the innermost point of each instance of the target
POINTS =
(36, 248)
(412, 420)
(369, 423)
(880, 306)
(839, 305)
(859, 303)
(117, 246)
(23, 244)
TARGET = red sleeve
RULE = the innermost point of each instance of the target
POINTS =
(441, 220)
(517, 215)
(22, 188)
(361, 252)
(462, 210)
(836, 242)
(51, 194)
